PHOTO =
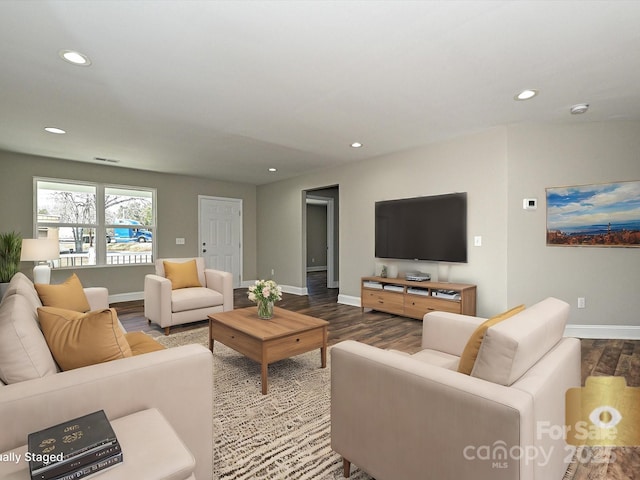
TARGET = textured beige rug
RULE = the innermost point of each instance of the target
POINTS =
(285, 434)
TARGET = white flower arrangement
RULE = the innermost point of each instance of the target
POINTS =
(265, 291)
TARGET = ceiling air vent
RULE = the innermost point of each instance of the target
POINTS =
(108, 160)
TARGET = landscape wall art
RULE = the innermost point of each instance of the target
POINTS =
(601, 215)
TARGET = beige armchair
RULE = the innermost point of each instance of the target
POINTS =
(168, 307)
(400, 417)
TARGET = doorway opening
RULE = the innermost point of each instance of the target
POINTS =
(321, 233)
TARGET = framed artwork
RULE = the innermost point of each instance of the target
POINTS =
(600, 215)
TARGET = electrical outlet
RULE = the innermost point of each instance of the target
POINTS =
(581, 302)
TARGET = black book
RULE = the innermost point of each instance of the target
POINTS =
(73, 464)
(57, 445)
(95, 467)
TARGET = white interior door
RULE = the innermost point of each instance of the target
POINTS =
(220, 228)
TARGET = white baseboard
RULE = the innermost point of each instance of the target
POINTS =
(295, 290)
(349, 300)
(126, 297)
(621, 332)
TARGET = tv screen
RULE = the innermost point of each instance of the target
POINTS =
(423, 228)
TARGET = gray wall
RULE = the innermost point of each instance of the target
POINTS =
(498, 168)
(316, 236)
(556, 156)
(177, 211)
(456, 166)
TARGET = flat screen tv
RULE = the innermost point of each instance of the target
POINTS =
(432, 228)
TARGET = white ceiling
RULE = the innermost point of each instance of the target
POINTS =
(226, 89)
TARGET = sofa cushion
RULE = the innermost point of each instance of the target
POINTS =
(182, 274)
(513, 346)
(438, 359)
(141, 343)
(79, 339)
(194, 298)
(68, 295)
(470, 352)
(24, 354)
(21, 285)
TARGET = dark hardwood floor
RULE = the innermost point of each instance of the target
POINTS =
(599, 357)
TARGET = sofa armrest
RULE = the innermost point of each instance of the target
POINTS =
(176, 381)
(448, 332)
(98, 297)
(396, 417)
(157, 299)
(221, 282)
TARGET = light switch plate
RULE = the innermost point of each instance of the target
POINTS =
(179, 241)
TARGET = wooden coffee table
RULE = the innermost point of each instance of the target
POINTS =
(266, 341)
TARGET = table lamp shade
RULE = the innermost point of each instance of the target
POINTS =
(40, 250)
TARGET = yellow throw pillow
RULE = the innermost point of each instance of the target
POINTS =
(182, 274)
(141, 343)
(68, 295)
(79, 339)
(471, 349)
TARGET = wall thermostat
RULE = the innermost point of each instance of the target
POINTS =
(530, 203)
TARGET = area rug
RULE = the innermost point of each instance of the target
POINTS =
(285, 434)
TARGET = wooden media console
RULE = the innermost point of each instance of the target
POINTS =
(414, 299)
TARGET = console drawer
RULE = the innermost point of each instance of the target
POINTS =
(417, 307)
(391, 302)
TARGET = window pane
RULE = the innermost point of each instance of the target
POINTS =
(130, 225)
(121, 233)
(67, 202)
(67, 211)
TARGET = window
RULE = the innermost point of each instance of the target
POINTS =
(96, 224)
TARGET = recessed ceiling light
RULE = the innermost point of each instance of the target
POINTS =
(526, 94)
(55, 130)
(356, 145)
(273, 169)
(579, 108)
(75, 58)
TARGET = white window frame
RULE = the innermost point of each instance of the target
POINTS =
(100, 226)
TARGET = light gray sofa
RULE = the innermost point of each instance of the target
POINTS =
(403, 417)
(177, 381)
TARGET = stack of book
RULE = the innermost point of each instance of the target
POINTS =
(73, 449)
